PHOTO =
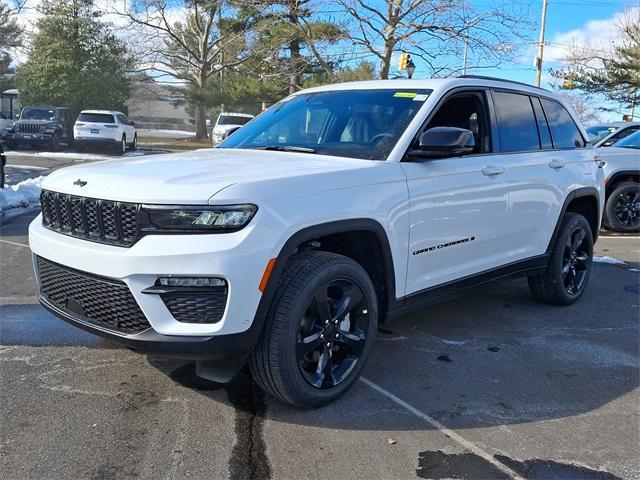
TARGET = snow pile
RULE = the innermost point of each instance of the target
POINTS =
(23, 194)
(143, 132)
(608, 260)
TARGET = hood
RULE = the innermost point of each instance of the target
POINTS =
(36, 122)
(220, 129)
(187, 178)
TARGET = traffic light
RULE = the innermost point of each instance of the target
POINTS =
(404, 60)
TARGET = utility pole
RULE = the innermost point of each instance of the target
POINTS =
(541, 43)
(464, 60)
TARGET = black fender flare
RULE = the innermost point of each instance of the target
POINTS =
(578, 193)
(313, 232)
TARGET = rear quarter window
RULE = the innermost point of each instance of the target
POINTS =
(564, 130)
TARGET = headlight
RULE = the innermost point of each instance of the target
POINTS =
(197, 219)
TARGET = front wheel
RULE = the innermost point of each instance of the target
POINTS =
(134, 144)
(567, 274)
(622, 211)
(319, 330)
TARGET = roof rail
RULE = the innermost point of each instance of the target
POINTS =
(484, 77)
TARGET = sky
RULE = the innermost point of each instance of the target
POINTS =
(568, 21)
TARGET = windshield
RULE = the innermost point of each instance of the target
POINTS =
(363, 124)
(38, 114)
(96, 118)
(232, 120)
(632, 141)
(598, 132)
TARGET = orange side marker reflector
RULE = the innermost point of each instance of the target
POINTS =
(266, 275)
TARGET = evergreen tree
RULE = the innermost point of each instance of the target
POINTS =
(74, 60)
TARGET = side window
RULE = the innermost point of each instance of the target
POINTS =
(543, 125)
(516, 122)
(468, 111)
(564, 131)
(620, 134)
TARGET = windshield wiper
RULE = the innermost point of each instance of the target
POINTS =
(287, 148)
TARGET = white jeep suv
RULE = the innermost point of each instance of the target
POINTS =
(337, 209)
(105, 128)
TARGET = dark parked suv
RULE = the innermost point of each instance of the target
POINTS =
(42, 126)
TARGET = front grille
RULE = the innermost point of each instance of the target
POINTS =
(196, 307)
(104, 221)
(97, 300)
(29, 128)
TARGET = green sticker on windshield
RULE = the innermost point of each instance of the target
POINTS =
(405, 94)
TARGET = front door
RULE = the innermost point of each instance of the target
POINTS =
(458, 205)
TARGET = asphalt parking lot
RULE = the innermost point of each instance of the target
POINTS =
(488, 385)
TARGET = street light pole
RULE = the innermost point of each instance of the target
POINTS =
(541, 43)
(464, 60)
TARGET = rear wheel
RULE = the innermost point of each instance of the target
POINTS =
(569, 268)
(319, 330)
(122, 147)
(622, 211)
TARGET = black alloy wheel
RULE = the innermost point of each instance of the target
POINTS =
(332, 334)
(575, 261)
(627, 208)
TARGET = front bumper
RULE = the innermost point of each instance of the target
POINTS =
(210, 348)
(231, 256)
(17, 138)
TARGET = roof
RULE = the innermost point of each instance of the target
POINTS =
(430, 84)
(108, 112)
(248, 115)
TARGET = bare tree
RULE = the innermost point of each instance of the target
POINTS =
(585, 105)
(435, 31)
(191, 41)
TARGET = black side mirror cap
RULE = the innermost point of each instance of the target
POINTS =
(440, 142)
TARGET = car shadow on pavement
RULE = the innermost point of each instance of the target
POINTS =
(492, 356)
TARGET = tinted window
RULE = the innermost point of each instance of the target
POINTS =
(564, 131)
(362, 124)
(543, 126)
(516, 122)
(96, 118)
(622, 133)
(123, 120)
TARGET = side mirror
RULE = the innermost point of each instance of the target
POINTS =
(440, 142)
(132, 123)
(230, 132)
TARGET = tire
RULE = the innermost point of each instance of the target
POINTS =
(622, 210)
(55, 142)
(279, 363)
(122, 148)
(571, 258)
(134, 144)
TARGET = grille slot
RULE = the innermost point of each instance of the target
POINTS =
(104, 221)
(97, 300)
(196, 307)
(28, 127)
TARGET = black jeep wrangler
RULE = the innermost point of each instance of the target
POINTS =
(42, 127)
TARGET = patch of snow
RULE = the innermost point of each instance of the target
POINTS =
(21, 195)
(608, 260)
(81, 156)
(143, 132)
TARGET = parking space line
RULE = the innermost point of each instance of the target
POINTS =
(14, 243)
(444, 430)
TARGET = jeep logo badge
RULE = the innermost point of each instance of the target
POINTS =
(80, 183)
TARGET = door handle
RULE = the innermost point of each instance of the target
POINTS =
(492, 170)
(556, 164)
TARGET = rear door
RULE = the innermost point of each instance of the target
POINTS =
(543, 163)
